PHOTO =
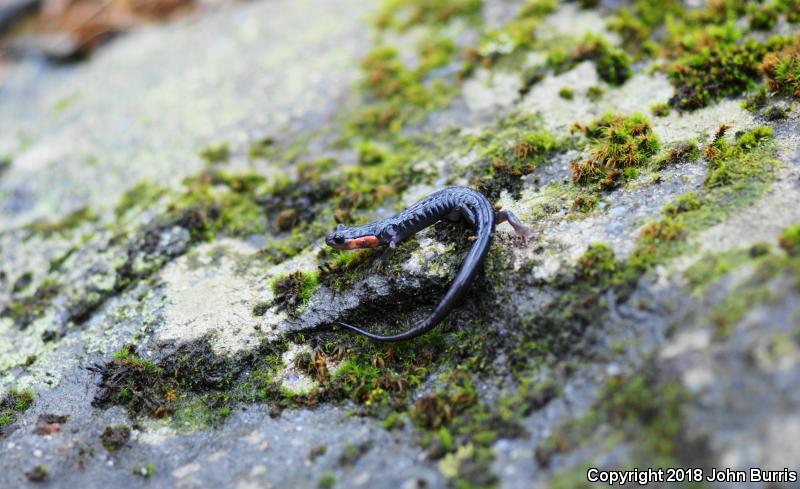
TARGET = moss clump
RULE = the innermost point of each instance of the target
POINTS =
(764, 17)
(618, 146)
(189, 380)
(718, 67)
(217, 153)
(790, 240)
(612, 64)
(642, 409)
(435, 52)
(139, 196)
(595, 93)
(584, 203)
(782, 69)
(599, 267)
(403, 14)
(636, 23)
(115, 437)
(400, 95)
(24, 311)
(326, 481)
(370, 154)
(775, 113)
(730, 163)
(229, 202)
(294, 290)
(566, 93)
(146, 471)
(683, 203)
(676, 153)
(13, 403)
(657, 242)
(263, 147)
(66, 224)
(37, 474)
(509, 151)
(660, 110)
(791, 8)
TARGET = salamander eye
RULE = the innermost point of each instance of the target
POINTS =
(338, 239)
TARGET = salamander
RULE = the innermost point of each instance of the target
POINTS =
(451, 203)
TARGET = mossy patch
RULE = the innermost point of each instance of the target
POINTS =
(508, 152)
(731, 163)
(115, 437)
(618, 146)
(141, 196)
(294, 290)
(782, 70)
(12, 404)
(612, 64)
(403, 14)
(65, 225)
(789, 240)
(644, 409)
(216, 153)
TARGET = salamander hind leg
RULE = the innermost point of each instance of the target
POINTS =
(519, 228)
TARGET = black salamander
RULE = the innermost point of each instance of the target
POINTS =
(451, 203)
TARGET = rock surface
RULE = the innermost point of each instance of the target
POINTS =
(163, 267)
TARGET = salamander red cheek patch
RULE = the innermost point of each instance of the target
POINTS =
(363, 242)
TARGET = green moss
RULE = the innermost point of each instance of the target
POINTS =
(744, 160)
(721, 67)
(399, 95)
(643, 409)
(146, 471)
(764, 17)
(27, 309)
(217, 153)
(509, 151)
(775, 113)
(326, 481)
(584, 203)
(11, 405)
(782, 69)
(294, 291)
(674, 154)
(566, 93)
(261, 148)
(403, 14)
(595, 93)
(723, 316)
(683, 203)
(711, 267)
(756, 101)
(618, 145)
(434, 52)
(660, 110)
(612, 64)
(66, 224)
(636, 23)
(228, 202)
(37, 474)
(789, 240)
(791, 8)
(115, 437)
(141, 195)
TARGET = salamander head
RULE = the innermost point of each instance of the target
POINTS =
(350, 238)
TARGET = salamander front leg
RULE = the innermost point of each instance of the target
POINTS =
(519, 228)
(380, 263)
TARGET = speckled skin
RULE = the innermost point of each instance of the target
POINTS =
(449, 203)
